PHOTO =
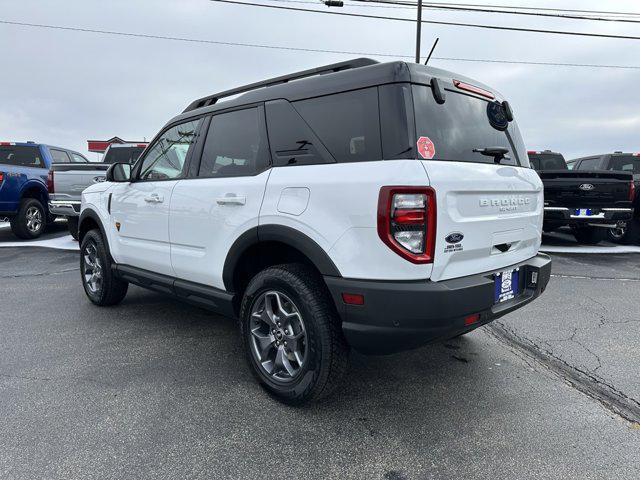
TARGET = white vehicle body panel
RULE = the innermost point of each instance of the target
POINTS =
(341, 213)
(142, 210)
(207, 216)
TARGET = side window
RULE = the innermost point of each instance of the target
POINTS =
(59, 156)
(591, 163)
(292, 141)
(22, 156)
(165, 159)
(77, 158)
(236, 145)
(396, 121)
(571, 165)
(348, 124)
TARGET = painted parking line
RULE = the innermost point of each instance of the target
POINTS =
(65, 242)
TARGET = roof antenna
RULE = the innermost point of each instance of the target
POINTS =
(432, 49)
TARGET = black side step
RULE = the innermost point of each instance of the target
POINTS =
(212, 298)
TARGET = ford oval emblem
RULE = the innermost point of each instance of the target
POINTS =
(455, 237)
(586, 187)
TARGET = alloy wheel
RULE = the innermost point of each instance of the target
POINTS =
(278, 336)
(92, 268)
(34, 219)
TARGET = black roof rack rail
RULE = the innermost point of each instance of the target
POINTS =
(335, 67)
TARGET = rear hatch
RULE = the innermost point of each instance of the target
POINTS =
(585, 189)
(489, 215)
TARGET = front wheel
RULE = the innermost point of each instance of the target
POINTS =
(588, 235)
(100, 284)
(292, 334)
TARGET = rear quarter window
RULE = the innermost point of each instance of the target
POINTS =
(347, 123)
(460, 125)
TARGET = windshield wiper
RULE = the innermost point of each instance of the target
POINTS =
(498, 153)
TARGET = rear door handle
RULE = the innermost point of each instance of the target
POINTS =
(231, 199)
(154, 198)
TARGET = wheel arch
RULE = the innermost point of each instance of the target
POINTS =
(33, 189)
(268, 245)
(88, 220)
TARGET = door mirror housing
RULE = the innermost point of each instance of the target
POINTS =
(119, 172)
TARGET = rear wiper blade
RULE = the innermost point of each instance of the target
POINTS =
(498, 153)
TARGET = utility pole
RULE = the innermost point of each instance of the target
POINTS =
(418, 31)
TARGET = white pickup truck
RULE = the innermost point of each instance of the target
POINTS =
(68, 180)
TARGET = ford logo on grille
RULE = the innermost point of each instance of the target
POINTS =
(586, 187)
(455, 237)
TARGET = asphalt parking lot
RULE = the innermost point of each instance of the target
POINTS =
(154, 388)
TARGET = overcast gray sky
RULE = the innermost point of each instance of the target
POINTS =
(62, 87)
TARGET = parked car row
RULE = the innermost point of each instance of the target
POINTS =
(28, 183)
(595, 196)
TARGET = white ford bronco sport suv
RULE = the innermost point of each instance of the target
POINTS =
(365, 205)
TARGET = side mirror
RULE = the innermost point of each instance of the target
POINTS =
(119, 172)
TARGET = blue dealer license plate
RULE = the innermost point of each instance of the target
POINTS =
(507, 285)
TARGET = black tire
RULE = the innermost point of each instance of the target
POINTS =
(628, 236)
(72, 226)
(30, 221)
(588, 235)
(109, 290)
(326, 350)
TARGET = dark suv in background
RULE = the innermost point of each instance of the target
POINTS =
(619, 162)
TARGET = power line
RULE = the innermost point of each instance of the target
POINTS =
(495, 10)
(302, 49)
(436, 22)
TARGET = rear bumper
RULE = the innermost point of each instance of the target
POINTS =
(399, 316)
(606, 217)
(69, 208)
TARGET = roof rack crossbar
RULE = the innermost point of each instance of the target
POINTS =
(335, 67)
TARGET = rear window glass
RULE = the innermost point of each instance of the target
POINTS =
(452, 130)
(547, 161)
(21, 156)
(346, 123)
(59, 156)
(589, 163)
(626, 163)
(122, 154)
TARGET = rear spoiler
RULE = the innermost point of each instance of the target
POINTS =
(569, 174)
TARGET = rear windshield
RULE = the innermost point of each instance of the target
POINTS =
(452, 130)
(22, 156)
(626, 163)
(547, 161)
(122, 154)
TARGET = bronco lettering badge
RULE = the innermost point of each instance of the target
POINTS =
(506, 204)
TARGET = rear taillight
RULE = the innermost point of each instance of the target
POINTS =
(407, 221)
(1, 177)
(632, 192)
(50, 188)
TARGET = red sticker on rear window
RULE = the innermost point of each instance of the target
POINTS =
(426, 148)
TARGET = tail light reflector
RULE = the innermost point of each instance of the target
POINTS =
(50, 188)
(471, 319)
(1, 176)
(407, 221)
(353, 298)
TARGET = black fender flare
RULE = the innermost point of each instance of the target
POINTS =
(282, 234)
(93, 215)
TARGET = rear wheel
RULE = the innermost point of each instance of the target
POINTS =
(72, 226)
(30, 221)
(292, 335)
(100, 284)
(626, 235)
(588, 235)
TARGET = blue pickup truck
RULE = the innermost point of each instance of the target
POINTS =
(25, 180)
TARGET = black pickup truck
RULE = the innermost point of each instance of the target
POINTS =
(588, 201)
(617, 161)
